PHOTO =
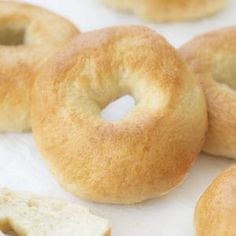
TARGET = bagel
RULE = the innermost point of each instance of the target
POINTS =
(212, 57)
(215, 211)
(169, 10)
(145, 154)
(26, 214)
(28, 36)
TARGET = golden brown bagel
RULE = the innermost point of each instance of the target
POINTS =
(212, 57)
(144, 155)
(28, 36)
(169, 10)
(215, 213)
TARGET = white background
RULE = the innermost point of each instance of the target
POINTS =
(22, 169)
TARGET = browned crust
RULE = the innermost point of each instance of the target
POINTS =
(45, 33)
(212, 57)
(108, 233)
(142, 156)
(169, 10)
(215, 211)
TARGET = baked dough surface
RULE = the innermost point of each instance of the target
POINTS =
(212, 57)
(142, 156)
(169, 10)
(28, 36)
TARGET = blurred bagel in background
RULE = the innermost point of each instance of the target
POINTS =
(212, 57)
(215, 211)
(28, 36)
(169, 10)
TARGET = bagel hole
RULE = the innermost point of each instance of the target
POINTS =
(12, 34)
(7, 229)
(118, 109)
(224, 70)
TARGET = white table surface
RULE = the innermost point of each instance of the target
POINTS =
(21, 167)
